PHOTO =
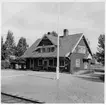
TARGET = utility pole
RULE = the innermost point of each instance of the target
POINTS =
(57, 68)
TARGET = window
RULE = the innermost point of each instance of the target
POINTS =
(81, 49)
(48, 49)
(55, 62)
(61, 62)
(52, 49)
(77, 62)
(43, 50)
(51, 62)
(40, 62)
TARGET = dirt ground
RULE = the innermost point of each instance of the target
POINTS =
(8, 99)
(43, 87)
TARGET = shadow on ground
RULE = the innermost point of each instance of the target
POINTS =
(94, 78)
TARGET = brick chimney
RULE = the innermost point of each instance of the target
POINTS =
(65, 32)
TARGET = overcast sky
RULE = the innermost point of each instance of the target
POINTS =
(32, 20)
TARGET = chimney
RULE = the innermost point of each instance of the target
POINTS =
(48, 33)
(65, 32)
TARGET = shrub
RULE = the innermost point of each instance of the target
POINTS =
(5, 64)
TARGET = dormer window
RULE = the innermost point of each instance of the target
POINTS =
(48, 49)
(43, 50)
(52, 49)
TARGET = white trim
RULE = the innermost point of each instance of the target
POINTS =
(42, 39)
(67, 54)
(77, 62)
(77, 43)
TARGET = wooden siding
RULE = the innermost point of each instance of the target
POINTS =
(76, 55)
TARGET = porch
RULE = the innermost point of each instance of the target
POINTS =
(48, 64)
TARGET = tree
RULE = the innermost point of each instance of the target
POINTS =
(21, 47)
(100, 55)
(2, 49)
(54, 33)
(1, 41)
(9, 44)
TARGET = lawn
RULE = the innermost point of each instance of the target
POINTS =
(42, 87)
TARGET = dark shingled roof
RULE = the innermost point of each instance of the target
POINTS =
(67, 43)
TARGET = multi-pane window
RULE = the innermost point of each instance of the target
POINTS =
(52, 49)
(43, 50)
(77, 62)
(61, 62)
(46, 49)
(81, 49)
(51, 62)
(55, 62)
(40, 62)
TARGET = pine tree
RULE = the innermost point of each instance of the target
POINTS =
(54, 33)
(21, 47)
(9, 44)
(100, 55)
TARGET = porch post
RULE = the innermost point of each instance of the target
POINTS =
(33, 63)
(30, 63)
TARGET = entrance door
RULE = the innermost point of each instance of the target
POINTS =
(45, 63)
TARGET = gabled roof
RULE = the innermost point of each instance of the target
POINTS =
(67, 44)
(53, 39)
(28, 52)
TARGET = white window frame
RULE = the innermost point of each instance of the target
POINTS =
(77, 62)
(81, 49)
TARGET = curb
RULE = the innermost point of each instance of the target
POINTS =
(22, 98)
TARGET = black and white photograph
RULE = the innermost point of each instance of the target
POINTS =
(52, 52)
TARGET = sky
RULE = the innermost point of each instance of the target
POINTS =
(33, 19)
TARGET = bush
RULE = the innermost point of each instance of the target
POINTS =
(5, 64)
